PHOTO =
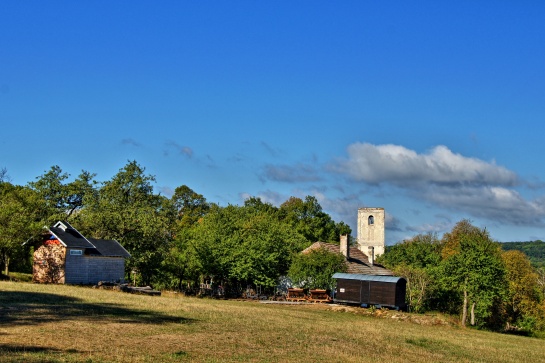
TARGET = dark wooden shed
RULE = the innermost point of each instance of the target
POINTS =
(367, 290)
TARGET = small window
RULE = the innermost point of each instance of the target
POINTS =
(76, 252)
(371, 220)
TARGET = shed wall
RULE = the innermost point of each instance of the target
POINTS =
(92, 269)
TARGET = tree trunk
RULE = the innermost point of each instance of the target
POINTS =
(473, 314)
(464, 309)
(4, 263)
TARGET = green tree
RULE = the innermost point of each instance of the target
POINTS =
(244, 245)
(4, 177)
(308, 219)
(190, 205)
(181, 266)
(314, 270)
(524, 296)
(417, 260)
(127, 210)
(21, 218)
(473, 268)
(61, 197)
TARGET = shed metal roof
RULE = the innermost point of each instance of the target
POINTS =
(69, 236)
(358, 263)
(110, 248)
(361, 277)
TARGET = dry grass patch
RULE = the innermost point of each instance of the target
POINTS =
(52, 323)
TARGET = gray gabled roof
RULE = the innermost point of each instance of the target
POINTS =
(110, 248)
(358, 263)
(361, 277)
(71, 238)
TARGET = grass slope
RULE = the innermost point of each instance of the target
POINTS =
(48, 323)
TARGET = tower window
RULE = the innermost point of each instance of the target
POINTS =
(371, 220)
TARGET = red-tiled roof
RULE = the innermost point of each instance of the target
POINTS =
(358, 263)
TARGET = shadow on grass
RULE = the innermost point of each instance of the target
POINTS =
(27, 354)
(30, 308)
(10, 348)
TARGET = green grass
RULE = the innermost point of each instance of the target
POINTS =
(21, 277)
(57, 323)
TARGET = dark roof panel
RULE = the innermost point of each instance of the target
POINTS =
(69, 236)
(358, 263)
(110, 248)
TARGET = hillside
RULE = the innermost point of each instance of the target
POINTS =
(535, 250)
(58, 323)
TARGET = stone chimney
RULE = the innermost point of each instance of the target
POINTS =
(345, 248)
(371, 255)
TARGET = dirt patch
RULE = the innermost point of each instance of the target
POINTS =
(420, 319)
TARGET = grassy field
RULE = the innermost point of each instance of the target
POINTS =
(47, 323)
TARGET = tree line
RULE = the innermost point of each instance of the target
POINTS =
(180, 241)
(175, 242)
(466, 273)
(535, 250)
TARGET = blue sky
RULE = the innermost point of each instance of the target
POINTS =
(433, 110)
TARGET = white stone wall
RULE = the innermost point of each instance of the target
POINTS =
(371, 234)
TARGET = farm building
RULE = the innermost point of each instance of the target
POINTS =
(371, 290)
(66, 256)
(366, 283)
(357, 262)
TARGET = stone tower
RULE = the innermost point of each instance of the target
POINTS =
(371, 231)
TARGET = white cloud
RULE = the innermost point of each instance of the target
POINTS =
(445, 179)
(398, 165)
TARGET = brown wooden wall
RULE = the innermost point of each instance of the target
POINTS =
(371, 292)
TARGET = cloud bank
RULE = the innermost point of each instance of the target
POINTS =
(446, 179)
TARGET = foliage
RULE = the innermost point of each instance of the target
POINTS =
(535, 250)
(126, 209)
(314, 270)
(309, 220)
(63, 199)
(473, 268)
(21, 218)
(244, 245)
(524, 296)
(191, 206)
(416, 259)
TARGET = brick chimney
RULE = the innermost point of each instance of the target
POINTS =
(345, 248)
(371, 255)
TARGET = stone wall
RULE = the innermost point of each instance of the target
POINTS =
(48, 265)
(371, 230)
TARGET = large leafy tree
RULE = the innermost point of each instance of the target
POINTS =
(473, 269)
(64, 198)
(308, 218)
(244, 245)
(416, 259)
(126, 209)
(22, 213)
(524, 296)
(190, 205)
(315, 269)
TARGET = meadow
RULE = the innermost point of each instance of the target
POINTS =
(58, 323)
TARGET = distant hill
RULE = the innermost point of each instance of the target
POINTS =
(535, 250)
